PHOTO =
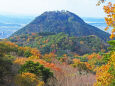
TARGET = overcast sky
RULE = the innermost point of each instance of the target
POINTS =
(83, 8)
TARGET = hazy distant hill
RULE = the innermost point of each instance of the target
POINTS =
(97, 22)
(62, 21)
(93, 20)
(10, 24)
(15, 19)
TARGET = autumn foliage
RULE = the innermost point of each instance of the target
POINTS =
(105, 75)
(28, 79)
(33, 68)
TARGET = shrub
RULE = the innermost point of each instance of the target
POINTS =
(36, 68)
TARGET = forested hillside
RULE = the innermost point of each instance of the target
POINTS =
(61, 43)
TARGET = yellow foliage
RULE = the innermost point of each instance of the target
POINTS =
(112, 59)
(110, 19)
(28, 79)
(50, 55)
(81, 42)
(76, 61)
(20, 60)
(103, 77)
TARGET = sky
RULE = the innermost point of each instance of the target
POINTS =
(83, 8)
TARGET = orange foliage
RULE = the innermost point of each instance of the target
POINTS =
(46, 64)
(10, 44)
(88, 65)
(94, 55)
(110, 19)
(65, 55)
(50, 55)
(33, 34)
(35, 52)
(47, 41)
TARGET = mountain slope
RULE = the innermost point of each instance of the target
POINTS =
(61, 21)
(60, 43)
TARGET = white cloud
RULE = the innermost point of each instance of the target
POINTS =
(35, 7)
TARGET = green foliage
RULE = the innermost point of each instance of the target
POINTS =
(112, 70)
(112, 43)
(106, 58)
(46, 33)
(20, 52)
(111, 49)
(36, 68)
(82, 67)
(27, 53)
(100, 63)
(5, 69)
(112, 83)
(82, 59)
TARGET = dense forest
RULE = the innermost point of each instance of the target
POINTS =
(61, 43)
(60, 49)
(26, 66)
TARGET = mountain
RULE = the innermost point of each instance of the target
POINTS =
(61, 21)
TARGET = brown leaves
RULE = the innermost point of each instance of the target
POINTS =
(99, 2)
